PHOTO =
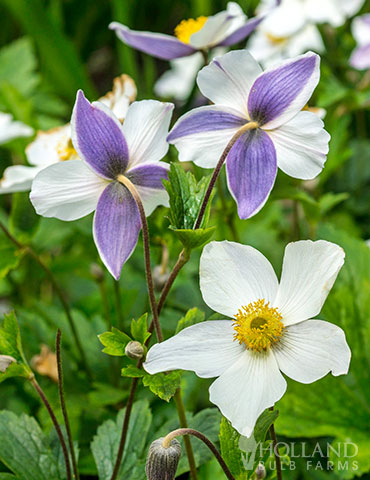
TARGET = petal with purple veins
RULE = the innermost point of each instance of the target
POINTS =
(242, 32)
(116, 227)
(158, 45)
(251, 171)
(280, 93)
(97, 136)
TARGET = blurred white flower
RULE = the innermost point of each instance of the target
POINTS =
(55, 145)
(290, 29)
(360, 57)
(11, 129)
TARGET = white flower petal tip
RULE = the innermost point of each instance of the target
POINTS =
(309, 272)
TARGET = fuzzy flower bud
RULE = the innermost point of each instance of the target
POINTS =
(260, 471)
(162, 461)
(134, 350)
(5, 361)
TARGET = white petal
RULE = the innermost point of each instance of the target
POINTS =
(311, 349)
(17, 178)
(228, 79)
(66, 190)
(284, 20)
(233, 275)
(47, 147)
(123, 93)
(145, 129)
(309, 272)
(247, 388)
(207, 348)
(178, 82)
(301, 145)
(11, 129)
(361, 29)
(152, 198)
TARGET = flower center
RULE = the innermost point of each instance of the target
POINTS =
(258, 326)
(276, 40)
(186, 28)
(66, 150)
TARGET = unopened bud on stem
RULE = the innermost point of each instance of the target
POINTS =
(260, 471)
(162, 460)
(134, 350)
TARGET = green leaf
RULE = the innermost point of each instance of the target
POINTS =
(229, 442)
(23, 219)
(139, 329)
(164, 385)
(11, 344)
(264, 422)
(10, 255)
(186, 196)
(193, 316)
(133, 372)
(114, 342)
(106, 442)
(194, 238)
(25, 449)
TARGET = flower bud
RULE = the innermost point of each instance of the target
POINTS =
(161, 463)
(134, 350)
(160, 277)
(5, 361)
(97, 272)
(260, 471)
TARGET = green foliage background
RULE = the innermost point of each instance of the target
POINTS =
(49, 49)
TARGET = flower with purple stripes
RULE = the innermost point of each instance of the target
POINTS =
(223, 29)
(262, 113)
(360, 57)
(110, 151)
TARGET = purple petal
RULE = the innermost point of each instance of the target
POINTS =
(116, 227)
(283, 91)
(251, 171)
(150, 175)
(204, 119)
(158, 45)
(360, 58)
(242, 32)
(98, 138)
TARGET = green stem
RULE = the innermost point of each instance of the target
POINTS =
(184, 424)
(63, 404)
(117, 296)
(276, 451)
(59, 293)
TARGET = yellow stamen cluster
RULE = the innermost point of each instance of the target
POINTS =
(276, 40)
(258, 326)
(66, 150)
(186, 28)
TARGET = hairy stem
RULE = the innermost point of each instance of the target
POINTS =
(55, 423)
(63, 404)
(59, 293)
(184, 424)
(189, 431)
(217, 170)
(279, 474)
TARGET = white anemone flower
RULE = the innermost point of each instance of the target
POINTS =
(11, 129)
(272, 331)
(55, 145)
(290, 29)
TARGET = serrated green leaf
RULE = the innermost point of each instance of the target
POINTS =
(25, 449)
(24, 221)
(229, 442)
(164, 385)
(139, 329)
(133, 372)
(114, 342)
(11, 344)
(106, 442)
(194, 238)
(193, 316)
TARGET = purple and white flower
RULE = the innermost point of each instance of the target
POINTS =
(360, 57)
(223, 29)
(109, 150)
(55, 145)
(272, 331)
(264, 109)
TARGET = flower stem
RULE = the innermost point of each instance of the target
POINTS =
(148, 270)
(276, 451)
(189, 431)
(217, 170)
(63, 404)
(56, 424)
(117, 296)
(184, 425)
(59, 293)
